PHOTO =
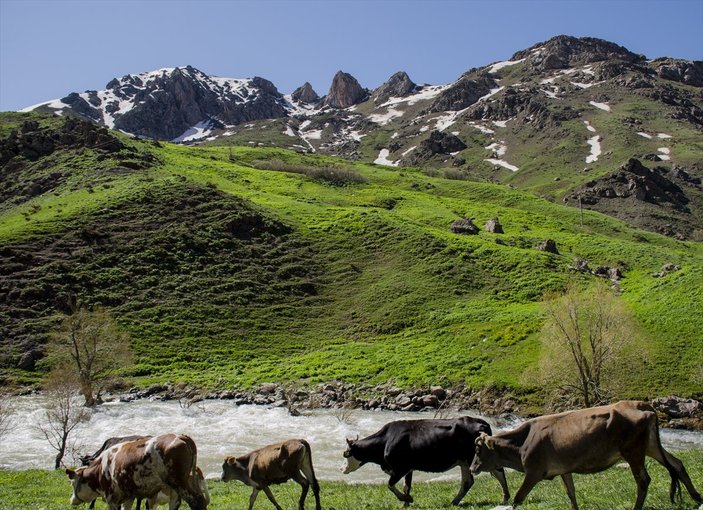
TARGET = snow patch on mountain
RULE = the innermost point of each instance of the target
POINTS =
(500, 65)
(504, 164)
(601, 106)
(200, 130)
(382, 159)
(385, 118)
(594, 142)
(644, 135)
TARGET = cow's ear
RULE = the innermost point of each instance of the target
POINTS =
(490, 442)
(231, 460)
(71, 473)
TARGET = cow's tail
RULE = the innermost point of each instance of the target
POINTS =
(673, 472)
(306, 467)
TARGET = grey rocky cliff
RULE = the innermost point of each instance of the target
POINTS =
(398, 85)
(565, 51)
(689, 72)
(465, 92)
(344, 92)
(305, 94)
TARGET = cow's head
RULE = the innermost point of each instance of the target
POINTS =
(232, 469)
(485, 458)
(351, 454)
(83, 492)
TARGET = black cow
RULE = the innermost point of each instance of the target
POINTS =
(435, 446)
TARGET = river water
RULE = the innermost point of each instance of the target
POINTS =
(221, 428)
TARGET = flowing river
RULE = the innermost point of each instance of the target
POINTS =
(221, 428)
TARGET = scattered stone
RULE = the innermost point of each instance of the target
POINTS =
(493, 225)
(267, 388)
(464, 226)
(549, 246)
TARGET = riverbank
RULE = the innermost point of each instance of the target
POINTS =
(674, 412)
(609, 490)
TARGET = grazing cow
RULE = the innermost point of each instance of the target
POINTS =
(582, 441)
(272, 464)
(402, 447)
(140, 469)
(87, 459)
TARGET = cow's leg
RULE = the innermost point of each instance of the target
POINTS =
(252, 498)
(408, 483)
(467, 480)
(394, 479)
(499, 474)
(527, 485)
(570, 489)
(269, 495)
(305, 484)
(641, 478)
(670, 462)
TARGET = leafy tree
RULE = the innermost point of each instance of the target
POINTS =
(90, 343)
(64, 411)
(585, 342)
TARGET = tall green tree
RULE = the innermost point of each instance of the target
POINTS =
(585, 342)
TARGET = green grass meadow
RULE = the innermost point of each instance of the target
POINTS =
(613, 489)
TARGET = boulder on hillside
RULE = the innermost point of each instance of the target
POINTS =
(493, 225)
(305, 94)
(464, 226)
(548, 245)
(398, 85)
(344, 92)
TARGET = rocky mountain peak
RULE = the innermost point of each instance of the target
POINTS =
(305, 94)
(344, 92)
(565, 51)
(398, 85)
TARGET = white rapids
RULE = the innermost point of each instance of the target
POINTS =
(221, 428)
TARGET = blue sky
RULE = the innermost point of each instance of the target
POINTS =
(51, 48)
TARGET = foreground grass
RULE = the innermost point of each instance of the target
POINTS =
(611, 490)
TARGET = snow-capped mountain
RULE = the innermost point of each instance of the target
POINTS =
(174, 103)
(540, 119)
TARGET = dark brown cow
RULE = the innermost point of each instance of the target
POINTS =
(583, 441)
(273, 464)
(140, 469)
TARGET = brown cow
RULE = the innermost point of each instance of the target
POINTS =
(272, 464)
(140, 469)
(582, 441)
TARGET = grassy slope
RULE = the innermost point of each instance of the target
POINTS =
(611, 490)
(398, 296)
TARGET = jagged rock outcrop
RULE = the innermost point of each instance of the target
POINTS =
(462, 94)
(655, 199)
(689, 72)
(565, 51)
(439, 142)
(548, 245)
(305, 94)
(32, 141)
(344, 92)
(531, 107)
(398, 85)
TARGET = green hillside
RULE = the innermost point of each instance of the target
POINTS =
(228, 274)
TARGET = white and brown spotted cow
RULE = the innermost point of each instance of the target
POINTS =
(140, 469)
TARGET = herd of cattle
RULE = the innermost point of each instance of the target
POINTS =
(163, 469)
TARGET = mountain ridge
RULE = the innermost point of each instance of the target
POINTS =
(597, 103)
